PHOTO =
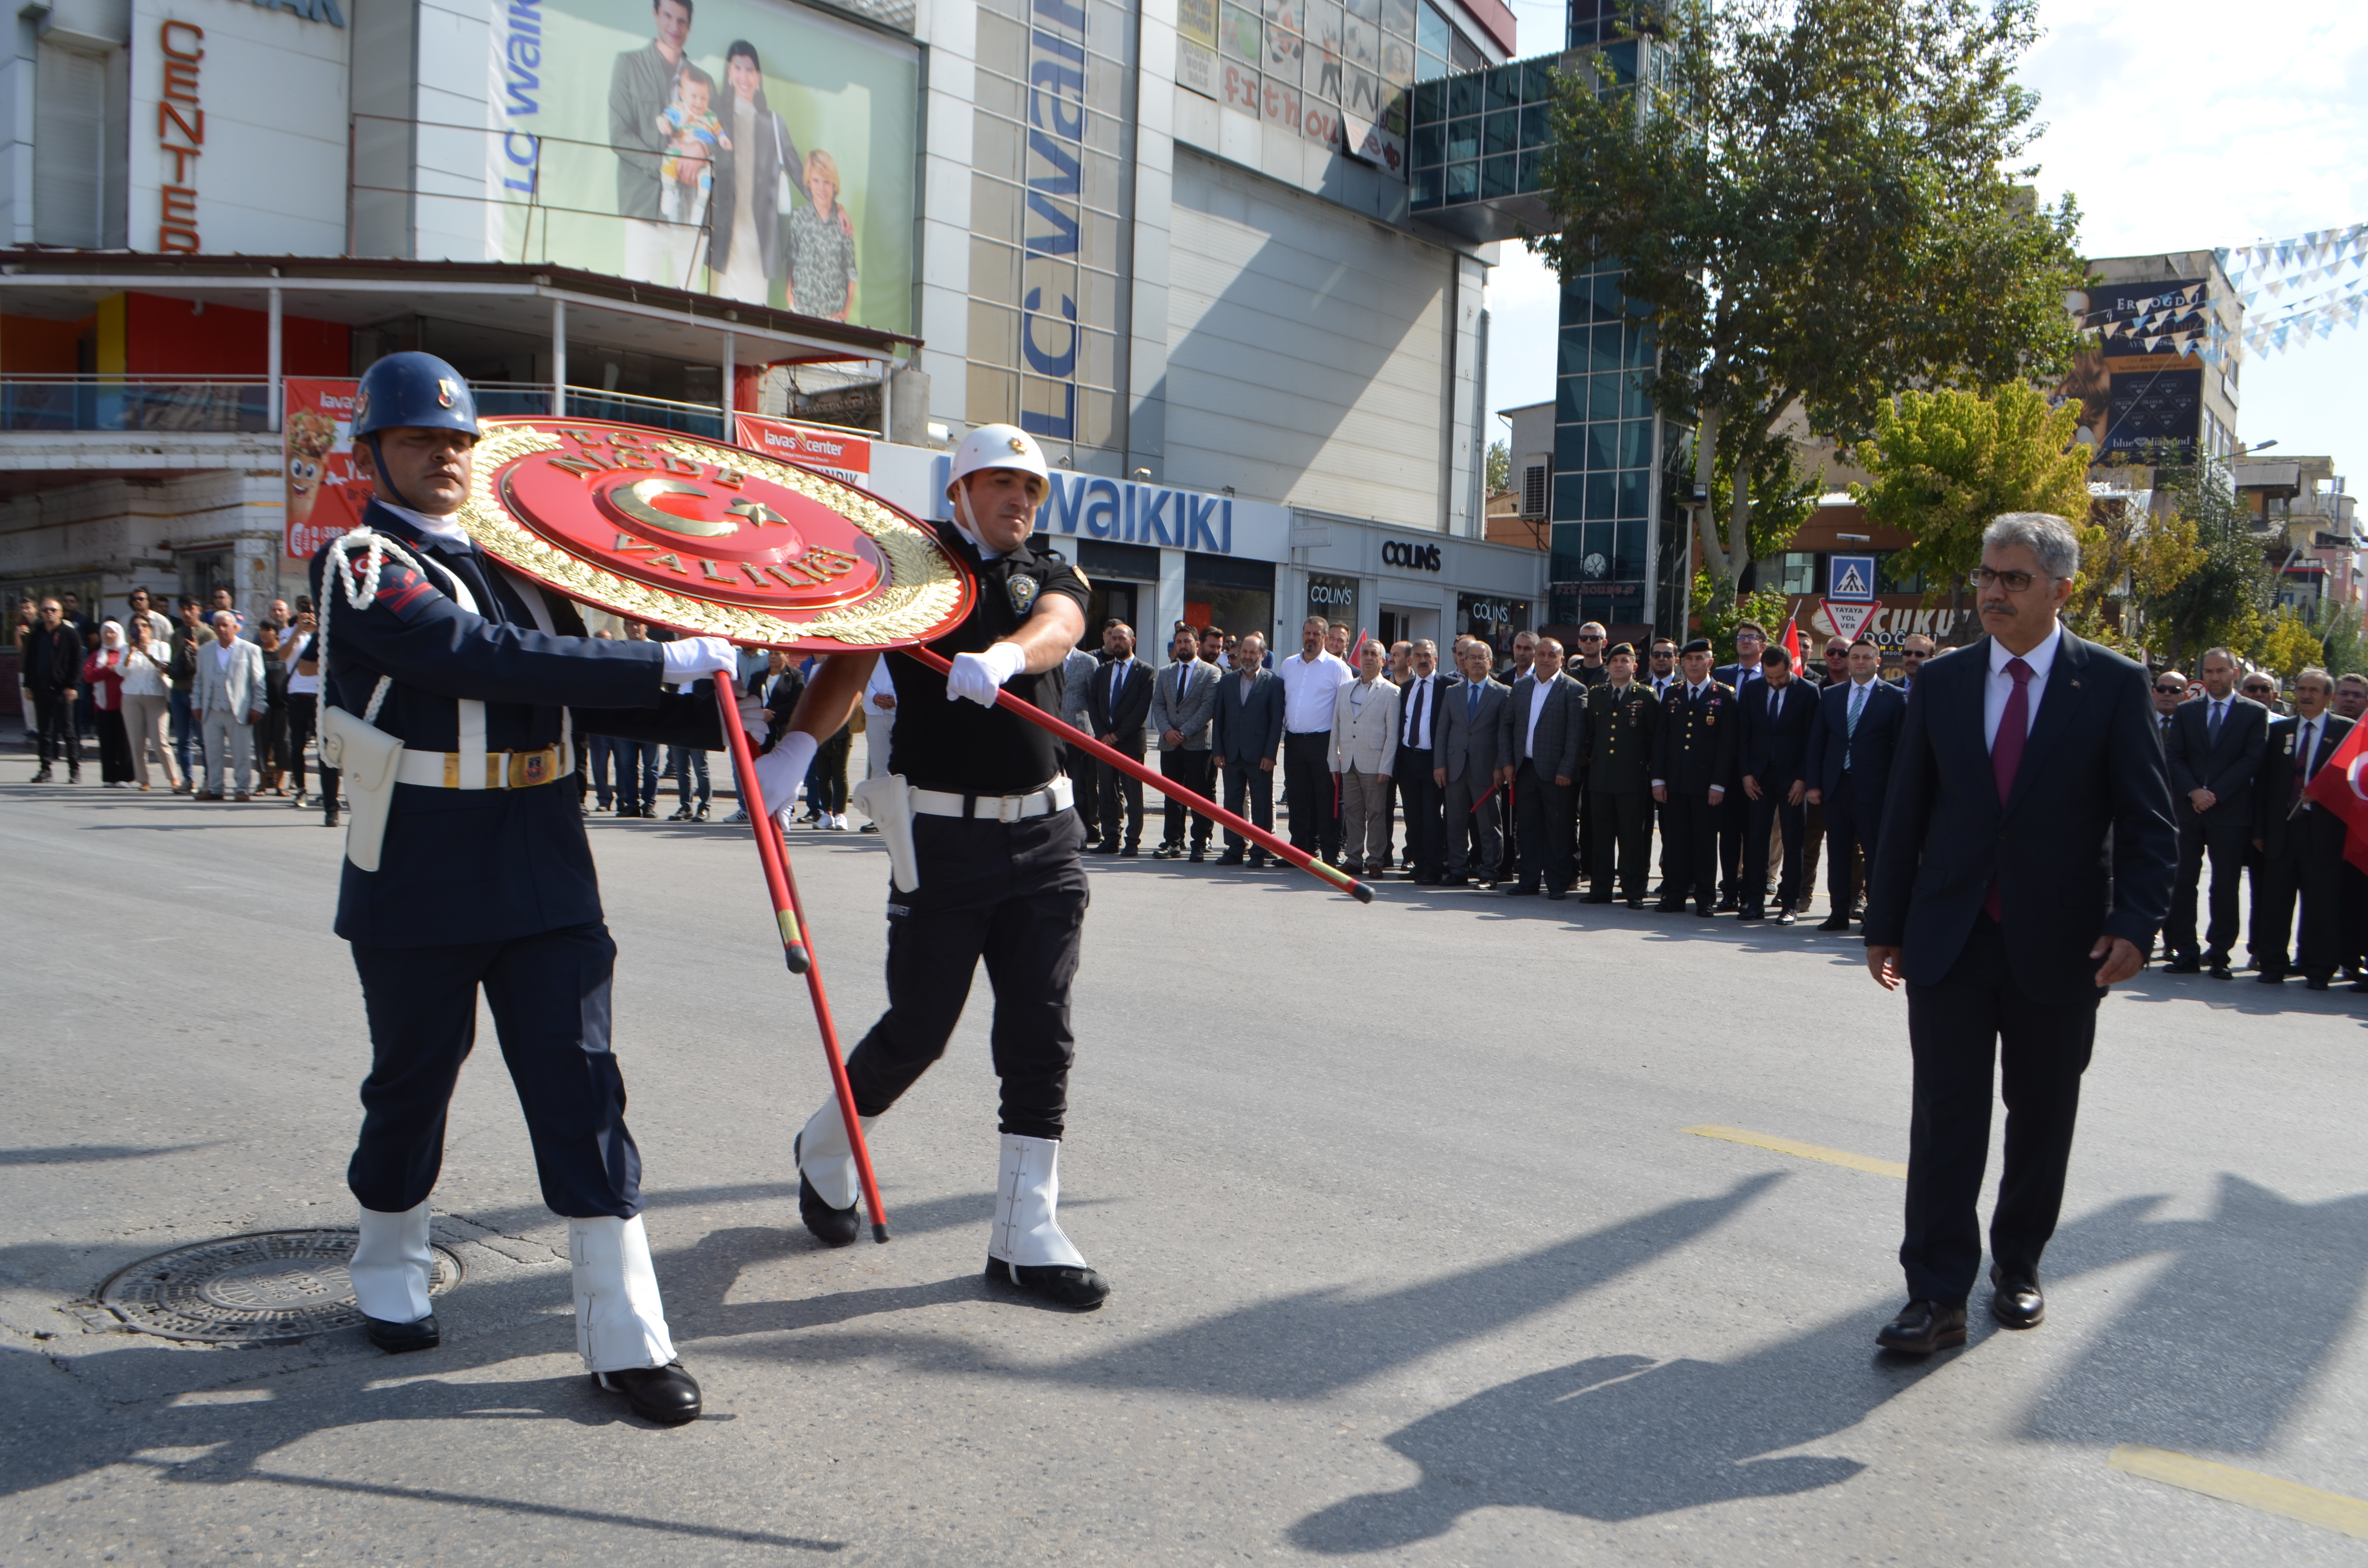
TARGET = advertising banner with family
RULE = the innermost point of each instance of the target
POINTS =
(757, 150)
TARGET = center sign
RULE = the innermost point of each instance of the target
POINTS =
(702, 536)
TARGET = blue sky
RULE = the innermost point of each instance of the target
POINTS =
(2178, 127)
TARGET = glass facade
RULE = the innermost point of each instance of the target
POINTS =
(1606, 452)
(1048, 198)
(1480, 135)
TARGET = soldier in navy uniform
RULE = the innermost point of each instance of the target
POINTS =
(985, 852)
(467, 870)
(1694, 757)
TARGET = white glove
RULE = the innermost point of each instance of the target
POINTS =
(691, 657)
(782, 769)
(980, 675)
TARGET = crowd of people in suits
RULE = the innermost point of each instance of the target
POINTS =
(1555, 776)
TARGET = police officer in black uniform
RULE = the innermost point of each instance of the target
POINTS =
(986, 849)
(1694, 755)
(452, 687)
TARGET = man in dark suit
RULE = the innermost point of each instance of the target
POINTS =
(2212, 749)
(1694, 755)
(1622, 719)
(1775, 740)
(1118, 701)
(1421, 701)
(1245, 740)
(2170, 691)
(1546, 722)
(1469, 765)
(1850, 764)
(1735, 808)
(2024, 865)
(2301, 841)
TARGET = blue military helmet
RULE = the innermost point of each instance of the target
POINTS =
(417, 389)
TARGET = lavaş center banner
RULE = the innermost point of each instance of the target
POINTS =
(760, 151)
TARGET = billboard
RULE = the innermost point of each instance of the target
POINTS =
(757, 151)
(316, 453)
(835, 452)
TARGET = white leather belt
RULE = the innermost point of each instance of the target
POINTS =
(502, 769)
(1054, 796)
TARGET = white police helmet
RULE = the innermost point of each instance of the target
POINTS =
(999, 446)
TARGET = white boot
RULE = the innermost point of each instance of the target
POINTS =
(829, 1183)
(392, 1265)
(620, 1321)
(1027, 1244)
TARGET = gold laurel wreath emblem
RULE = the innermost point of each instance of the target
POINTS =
(922, 586)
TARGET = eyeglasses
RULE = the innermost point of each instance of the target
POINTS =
(1913, 654)
(2173, 689)
(1590, 636)
(2013, 582)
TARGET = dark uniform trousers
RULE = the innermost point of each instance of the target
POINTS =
(1476, 838)
(1250, 792)
(1734, 822)
(1689, 824)
(1419, 799)
(2308, 867)
(1623, 826)
(1958, 1030)
(1769, 816)
(1084, 775)
(1120, 791)
(1014, 894)
(1541, 823)
(548, 994)
(1850, 827)
(1189, 768)
(1307, 782)
(2225, 843)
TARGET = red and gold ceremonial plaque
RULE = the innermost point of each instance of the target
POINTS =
(706, 538)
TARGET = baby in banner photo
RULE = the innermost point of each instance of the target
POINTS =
(693, 136)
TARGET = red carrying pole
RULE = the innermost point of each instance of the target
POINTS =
(790, 915)
(1277, 847)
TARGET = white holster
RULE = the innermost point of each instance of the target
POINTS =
(887, 800)
(365, 754)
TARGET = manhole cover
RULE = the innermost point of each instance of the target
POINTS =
(270, 1287)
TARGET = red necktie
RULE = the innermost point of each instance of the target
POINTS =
(2006, 752)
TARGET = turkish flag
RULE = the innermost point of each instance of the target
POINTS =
(1793, 638)
(2335, 786)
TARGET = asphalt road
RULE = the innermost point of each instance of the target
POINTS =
(1415, 1259)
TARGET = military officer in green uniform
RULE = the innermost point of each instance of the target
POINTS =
(1622, 717)
(1694, 756)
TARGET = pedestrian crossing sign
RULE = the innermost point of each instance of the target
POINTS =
(1851, 578)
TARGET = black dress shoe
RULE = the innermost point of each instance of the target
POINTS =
(1165, 852)
(2187, 965)
(394, 1338)
(1834, 923)
(831, 1227)
(1728, 905)
(2272, 977)
(1230, 858)
(1666, 907)
(1635, 904)
(1751, 912)
(1455, 881)
(1107, 846)
(668, 1395)
(1599, 898)
(1923, 1327)
(2221, 971)
(1706, 912)
(2315, 983)
(2017, 1303)
(1788, 918)
(1128, 853)
(1556, 894)
(1518, 891)
(1257, 862)
(1081, 1289)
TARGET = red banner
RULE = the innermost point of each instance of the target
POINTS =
(317, 464)
(833, 452)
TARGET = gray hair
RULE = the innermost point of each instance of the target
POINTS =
(221, 614)
(2048, 537)
(2229, 653)
(2314, 673)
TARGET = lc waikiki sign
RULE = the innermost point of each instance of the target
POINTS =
(1057, 64)
(1126, 512)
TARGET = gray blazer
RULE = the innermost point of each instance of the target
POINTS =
(1562, 726)
(1471, 742)
(1248, 730)
(1193, 714)
(1077, 675)
(237, 691)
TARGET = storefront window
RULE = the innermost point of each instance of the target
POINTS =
(1236, 595)
(1334, 598)
(1494, 620)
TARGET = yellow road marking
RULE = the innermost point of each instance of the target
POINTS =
(1867, 1163)
(2327, 1510)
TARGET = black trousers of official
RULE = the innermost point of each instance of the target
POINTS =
(1542, 827)
(1624, 838)
(1013, 894)
(1771, 814)
(549, 999)
(1689, 834)
(2309, 868)
(2355, 916)
(55, 739)
(1852, 825)
(1189, 768)
(1084, 775)
(1583, 828)
(1421, 802)
(1120, 793)
(1250, 792)
(1307, 782)
(2224, 844)
(1974, 1019)
(1734, 821)
(1474, 807)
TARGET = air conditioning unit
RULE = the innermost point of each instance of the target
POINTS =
(1533, 490)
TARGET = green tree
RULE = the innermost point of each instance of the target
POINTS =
(1500, 467)
(1812, 201)
(2226, 598)
(1718, 610)
(2288, 645)
(2343, 635)
(1944, 463)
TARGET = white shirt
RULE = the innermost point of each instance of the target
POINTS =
(1308, 688)
(444, 529)
(2000, 685)
(144, 670)
(1424, 690)
(1538, 689)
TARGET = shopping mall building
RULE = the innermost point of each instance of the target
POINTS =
(1215, 257)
